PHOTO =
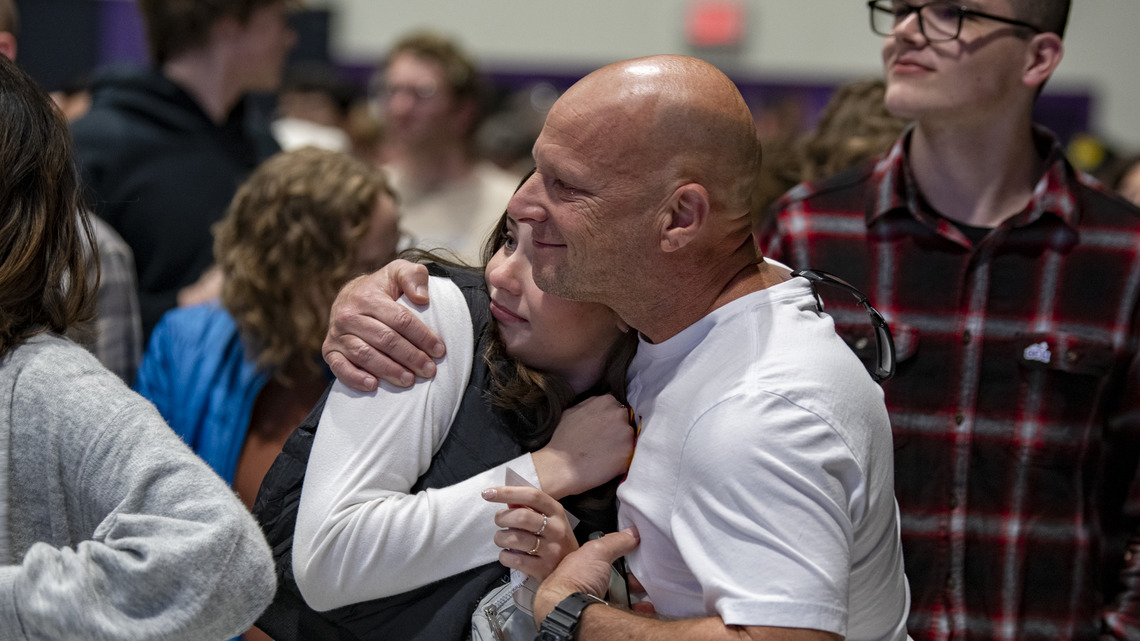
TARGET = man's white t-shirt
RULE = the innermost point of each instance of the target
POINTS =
(762, 482)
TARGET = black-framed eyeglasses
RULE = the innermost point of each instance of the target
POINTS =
(938, 21)
(884, 366)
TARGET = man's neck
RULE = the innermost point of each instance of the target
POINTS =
(979, 175)
(427, 170)
(208, 78)
(691, 293)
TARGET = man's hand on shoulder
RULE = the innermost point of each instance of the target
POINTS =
(371, 336)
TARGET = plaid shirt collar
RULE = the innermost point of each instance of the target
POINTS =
(898, 191)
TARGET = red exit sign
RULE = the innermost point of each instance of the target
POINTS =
(715, 23)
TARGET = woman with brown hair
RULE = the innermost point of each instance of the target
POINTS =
(110, 527)
(392, 539)
(233, 378)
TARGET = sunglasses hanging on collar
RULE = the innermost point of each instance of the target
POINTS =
(884, 366)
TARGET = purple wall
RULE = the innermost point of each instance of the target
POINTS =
(121, 35)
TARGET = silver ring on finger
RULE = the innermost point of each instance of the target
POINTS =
(543, 528)
(537, 543)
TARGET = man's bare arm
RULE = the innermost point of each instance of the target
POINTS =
(611, 623)
(372, 337)
(587, 570)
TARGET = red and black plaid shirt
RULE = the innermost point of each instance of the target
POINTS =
(1016, 403)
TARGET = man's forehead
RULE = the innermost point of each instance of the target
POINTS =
(586, 127)
(408, 62)
(558, 151)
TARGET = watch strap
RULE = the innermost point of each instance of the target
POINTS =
(562, 622)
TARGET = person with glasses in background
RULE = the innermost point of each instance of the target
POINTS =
(1011, 282)
(430, 96)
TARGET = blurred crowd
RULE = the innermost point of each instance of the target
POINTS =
(229, 196)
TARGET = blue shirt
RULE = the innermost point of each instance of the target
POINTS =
(203, 380)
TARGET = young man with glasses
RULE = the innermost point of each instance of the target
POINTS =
(1011, 282)
(430, 96)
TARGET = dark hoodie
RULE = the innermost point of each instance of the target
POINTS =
(161, 173)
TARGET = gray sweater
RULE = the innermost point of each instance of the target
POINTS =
(110, 526)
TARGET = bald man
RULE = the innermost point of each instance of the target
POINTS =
(761, 490)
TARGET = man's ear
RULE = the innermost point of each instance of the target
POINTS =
(7, 45)
(686, 213)
(1045, 53)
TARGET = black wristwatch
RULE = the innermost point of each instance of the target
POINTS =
(562, 622)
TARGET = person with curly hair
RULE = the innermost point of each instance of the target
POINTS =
(234, 377)
(110, 527)
(853, 127)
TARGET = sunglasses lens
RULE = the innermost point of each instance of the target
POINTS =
(886, 365)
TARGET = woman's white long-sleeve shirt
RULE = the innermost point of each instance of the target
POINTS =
(360, 535)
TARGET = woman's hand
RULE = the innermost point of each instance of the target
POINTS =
(536, 534)
(592, 444)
